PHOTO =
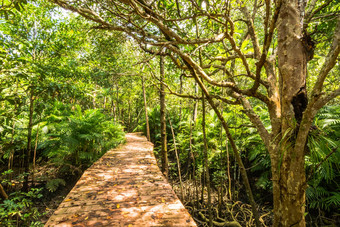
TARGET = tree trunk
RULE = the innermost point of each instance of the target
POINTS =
(3, 193)
(289, 181)
(146, 111)
(94, 98)
(11, 155)
(177, 160)
(180, 100)
(206, 165)
(194, 115)
(35, 154)
(104, 102)
(29, 141)
(117, 109)
(228, 169)
(234, 147)
(164, 149)
(129, 117)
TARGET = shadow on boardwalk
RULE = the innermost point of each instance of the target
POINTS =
(123, 188)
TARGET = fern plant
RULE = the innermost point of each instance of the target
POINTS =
(78, 138)
(323, 160)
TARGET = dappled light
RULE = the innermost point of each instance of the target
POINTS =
(240, 99)
(124, 187)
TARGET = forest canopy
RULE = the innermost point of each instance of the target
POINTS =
(246, 92)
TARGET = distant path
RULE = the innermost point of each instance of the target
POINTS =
(123, 188)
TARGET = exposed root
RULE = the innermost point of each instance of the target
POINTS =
(226, 223)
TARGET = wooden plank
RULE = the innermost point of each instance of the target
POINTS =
(123, 188)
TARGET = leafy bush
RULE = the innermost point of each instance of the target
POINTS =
(19, 209)
(323, 160)
(53, 185)
(78, 138)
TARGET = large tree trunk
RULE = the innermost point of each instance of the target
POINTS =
(164, 149)
(289, 181)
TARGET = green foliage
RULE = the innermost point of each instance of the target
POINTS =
(322, 162)
(19, 209)
(77, 137)
(53, 185)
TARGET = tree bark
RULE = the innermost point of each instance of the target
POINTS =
(206, 165)
(180, 101)
(35, 154)
(146, 111)
(177, 160)
(94, 98)
(117, 109)
(164, 149)
(11, 155)
(29, 141)
(194, 115)
(289, 180)
(129, 116)
(3, 193)
(233, 145)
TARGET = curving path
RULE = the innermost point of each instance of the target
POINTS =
(123, 188)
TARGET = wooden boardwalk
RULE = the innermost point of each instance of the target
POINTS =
(123, 188)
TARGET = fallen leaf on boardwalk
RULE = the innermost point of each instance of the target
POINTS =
(159, 215)
(129, 225)
(67, 200)
(101, 192)
(108, 217)
(163, 201)
(87, 218)
(118, 205)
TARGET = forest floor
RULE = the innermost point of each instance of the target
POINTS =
(123, 188)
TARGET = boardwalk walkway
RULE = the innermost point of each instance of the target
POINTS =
(123, 188)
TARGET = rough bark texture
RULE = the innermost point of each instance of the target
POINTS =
(289, 183)
(290, 114)
(164, 149)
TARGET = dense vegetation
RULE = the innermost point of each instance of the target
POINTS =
(214, 105)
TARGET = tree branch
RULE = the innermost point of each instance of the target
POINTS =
(329, 62)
